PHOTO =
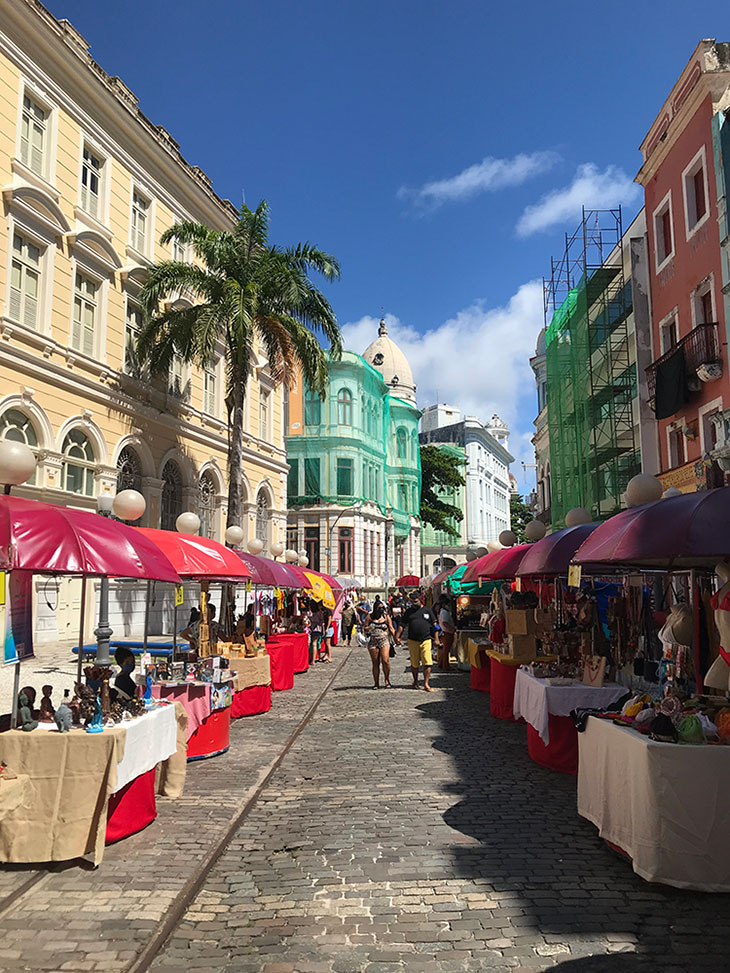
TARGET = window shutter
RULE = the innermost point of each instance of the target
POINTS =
(93, 203)
(36, 152)
(30, 311)
(15, 302)
(88, 346)
(24, 143)
(76, 326)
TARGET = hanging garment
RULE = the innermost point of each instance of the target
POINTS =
(671, 385)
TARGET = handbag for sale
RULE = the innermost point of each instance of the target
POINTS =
(594, 670)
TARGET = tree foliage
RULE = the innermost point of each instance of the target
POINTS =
(520, 515)
(242, 296)
(440, 471)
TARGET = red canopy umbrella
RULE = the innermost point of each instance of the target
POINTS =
(49, 539)
(440, 578)
(551, 556)
(198, 557)
(689, 531)
(408, 581)
(497, 565)
(273, 574)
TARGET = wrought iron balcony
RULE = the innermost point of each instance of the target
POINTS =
(701, 347)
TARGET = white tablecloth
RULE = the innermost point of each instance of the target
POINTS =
(666, 805)
(149, 739)
(535, 700)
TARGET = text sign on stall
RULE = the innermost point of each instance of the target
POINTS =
(179, 595)
(574, 573)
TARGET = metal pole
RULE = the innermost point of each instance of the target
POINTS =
(174, 628)
(103, 632)
(147, 613)
(16, 693)
(80, 660)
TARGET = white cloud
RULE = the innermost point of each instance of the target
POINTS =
(478, 361)
(590, 188)
(486, 176)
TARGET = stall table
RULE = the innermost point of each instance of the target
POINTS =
(83, 784)
(479, 661)
(281, 654)
(208, 706)
(251, 686)
(502, 676)
(299, 645)
(665, 805)
(552, 739)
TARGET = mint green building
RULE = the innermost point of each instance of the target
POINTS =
(354, 479)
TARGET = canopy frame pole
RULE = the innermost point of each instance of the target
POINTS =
(148, 594)
(82, 625)
(16, 693)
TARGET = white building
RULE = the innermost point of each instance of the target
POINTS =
(487, 467)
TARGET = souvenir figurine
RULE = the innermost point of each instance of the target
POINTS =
(87, 699)
(64, 714)
(105, 700)
(148, 693)
(25, 714)
(47, 712)
(96, 725)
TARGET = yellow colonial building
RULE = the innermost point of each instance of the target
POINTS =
(89, 184)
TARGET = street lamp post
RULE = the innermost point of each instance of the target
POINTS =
(103, 631)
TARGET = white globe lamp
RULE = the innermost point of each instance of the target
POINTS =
(577, 516)
(188, 523)
(481, 551)
(493, 546)
(17, 463)
(470, 556)
(234, 536)
(303, 561)
(643, 488)
(507, 538)
(671, 492)
(129, 505)
(535, 530)
(255, 545)
(277, 549)
(291, 556)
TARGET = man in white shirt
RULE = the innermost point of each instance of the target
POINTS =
(448, 631)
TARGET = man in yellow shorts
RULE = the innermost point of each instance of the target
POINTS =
(420, 622)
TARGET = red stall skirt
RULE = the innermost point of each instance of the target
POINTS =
(251, 701)
(300, 651)
(336, 626)
(132, 808)
(212, 737)
(282, 664)
(502, 689)
(562, 751)
(481, 678)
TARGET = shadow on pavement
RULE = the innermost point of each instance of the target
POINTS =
(547, 867)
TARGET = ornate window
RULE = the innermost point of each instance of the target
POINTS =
(262, 517)
(78, 463)
(129, 471)
(171, 495)
(312, 409)
(86, 314)
(17, 427)
(401, 440)
(344, 407)
(206, 505)
(132, 328)
(25, 282)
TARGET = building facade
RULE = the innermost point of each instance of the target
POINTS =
(485, 446)
(89, 185)
(354, 471)
(685, 162)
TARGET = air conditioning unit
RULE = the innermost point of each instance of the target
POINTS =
(709, 372)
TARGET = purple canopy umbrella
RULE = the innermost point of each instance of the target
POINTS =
(551, 556)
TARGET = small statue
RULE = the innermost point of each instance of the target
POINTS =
(97, 723)
(87, 699)
(25, 714)
(64, 714)
(105, 700)
(148, 701)
(75, 705)
(47, 712)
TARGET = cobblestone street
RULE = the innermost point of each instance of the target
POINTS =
(401, 831)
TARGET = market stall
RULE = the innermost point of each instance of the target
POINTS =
(251, 685)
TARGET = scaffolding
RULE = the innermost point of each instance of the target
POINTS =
(591, 370)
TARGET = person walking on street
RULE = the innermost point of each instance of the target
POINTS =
(316, 631)
(379, 628)
(329, 632)
(348, 622)
(420, 621)
(448, 633)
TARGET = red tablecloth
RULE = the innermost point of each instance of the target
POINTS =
(299, 643)
(481, 678)
(212, 737)
(132, 808)
(282, 663)
(336, 627)
(502, 689)
(562, 751)
(251, 701)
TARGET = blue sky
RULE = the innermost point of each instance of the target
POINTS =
(440, 150)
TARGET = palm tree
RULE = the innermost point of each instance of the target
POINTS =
(246, 291)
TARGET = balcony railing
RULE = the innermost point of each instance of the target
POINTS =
(701, 347)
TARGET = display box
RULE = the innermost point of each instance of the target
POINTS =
(519, 621)
(522, 646)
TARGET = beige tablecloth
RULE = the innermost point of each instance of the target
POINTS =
(15, 792)
(666, 805)
(251, 672)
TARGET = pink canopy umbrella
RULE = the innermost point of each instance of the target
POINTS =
(198, 557)
(551, 556)
(497, 565)
(273, 574)
(692, 530)
(49, 539)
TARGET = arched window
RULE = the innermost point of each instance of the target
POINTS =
(344, 407)
(206, 505)
(129, 471)
(312, 409)
(401, 441)
(262, 517)
(16, 426)
(171, 495)
(78, 463)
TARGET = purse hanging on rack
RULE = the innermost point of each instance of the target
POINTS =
(594, 670)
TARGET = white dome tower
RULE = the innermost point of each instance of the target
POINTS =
(385, 355)
(498, 429)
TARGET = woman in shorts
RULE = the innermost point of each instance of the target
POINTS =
(379, 628)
